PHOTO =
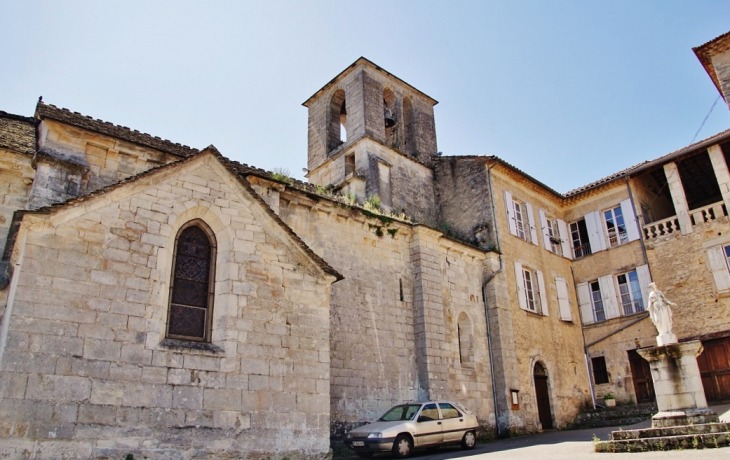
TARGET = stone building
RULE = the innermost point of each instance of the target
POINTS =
(166, 301)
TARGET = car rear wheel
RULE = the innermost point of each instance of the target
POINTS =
(402, 446)
(364, 454)
(469, 440)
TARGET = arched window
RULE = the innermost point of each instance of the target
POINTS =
(191, 288)
(337, 121)
(390, 118)
(466, 340)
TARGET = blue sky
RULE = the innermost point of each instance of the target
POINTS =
(568, 91)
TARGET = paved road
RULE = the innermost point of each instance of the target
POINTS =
(573, 445)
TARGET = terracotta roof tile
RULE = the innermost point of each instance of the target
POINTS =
(17, 133)
(52, 112)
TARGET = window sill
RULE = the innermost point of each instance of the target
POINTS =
(190, 345)
(535, 314)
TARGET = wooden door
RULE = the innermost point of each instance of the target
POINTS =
(543, 397)
(641, 375)
(714, 364)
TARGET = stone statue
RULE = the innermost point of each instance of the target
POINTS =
(661, 314)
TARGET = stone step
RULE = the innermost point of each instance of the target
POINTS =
(689, 441)
(707, 428)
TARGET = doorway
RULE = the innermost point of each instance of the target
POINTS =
(543, 396)
(641, 375)
(714, 364)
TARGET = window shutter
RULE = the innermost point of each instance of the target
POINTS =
(519, 277)
(718, 266)
(642, 271)
(632, 226)
(543, 293)
(584, 299)
(545, 231)
(594, 225)
(563, 302)
(509, 204)
(608, 292)
(531, 220)
(564, 239)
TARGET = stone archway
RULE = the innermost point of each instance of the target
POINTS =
(543, 396)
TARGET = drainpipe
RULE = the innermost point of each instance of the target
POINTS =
(585, 347)
(636, 215)
(5, 326)
(490, 277)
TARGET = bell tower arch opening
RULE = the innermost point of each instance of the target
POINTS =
(337, 121)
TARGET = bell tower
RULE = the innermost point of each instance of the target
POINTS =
(371, 133)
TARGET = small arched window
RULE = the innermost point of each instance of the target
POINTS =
(191, 288)
(466, 340)
(337, 121)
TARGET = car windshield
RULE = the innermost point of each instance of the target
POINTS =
(403, 412)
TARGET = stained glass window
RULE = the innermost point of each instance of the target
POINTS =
(190, 295)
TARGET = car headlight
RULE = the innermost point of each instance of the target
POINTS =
(375, 435)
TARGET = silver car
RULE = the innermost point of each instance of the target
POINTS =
(415, 425)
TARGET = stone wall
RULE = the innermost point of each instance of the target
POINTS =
(16, 177)
(86, 372)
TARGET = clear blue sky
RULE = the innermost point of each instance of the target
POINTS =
(568, 91)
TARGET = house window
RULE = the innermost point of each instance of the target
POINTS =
(630, 292)
(600, 373)
(597, 302)
(579, 237)
(615, 226)
(191, 287)
(531, 292)
(521, 226)
(553, 236)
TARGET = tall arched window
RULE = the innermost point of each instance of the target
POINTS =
(337, 121)
(191, 287)
(466, 340)
(390, 118)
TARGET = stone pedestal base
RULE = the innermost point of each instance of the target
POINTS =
(680, 395)
(666, 339)
(684, 417)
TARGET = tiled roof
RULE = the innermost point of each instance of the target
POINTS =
(17, 133)
(109, 129)
(238, 170)
(704, 53)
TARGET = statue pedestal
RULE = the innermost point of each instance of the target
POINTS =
(666, 339)
(680, 395)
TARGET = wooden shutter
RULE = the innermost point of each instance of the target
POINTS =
(584, 299)
(520, 279)
(545, 231)
(594, 225)
(564, 239)
(531, 221)
(642, 271)
(543, 292)
(718, 266)
(563, 302)
(632, 226)
(509, 204)
(608, 292)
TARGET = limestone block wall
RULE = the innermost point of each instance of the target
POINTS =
(682, 269)
(86, 372)
(16, 176)
(547, 339)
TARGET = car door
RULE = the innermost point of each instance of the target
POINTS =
(428, 426)
(453, 424)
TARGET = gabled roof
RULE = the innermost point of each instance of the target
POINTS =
(52, 112)
(17, 133)
(705, 52)
(239, 171)
(371, 64)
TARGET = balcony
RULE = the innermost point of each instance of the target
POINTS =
(698, 216)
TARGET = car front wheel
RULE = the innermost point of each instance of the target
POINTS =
(402, 446)
(469, 440)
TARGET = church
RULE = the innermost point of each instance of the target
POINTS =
(167, 302)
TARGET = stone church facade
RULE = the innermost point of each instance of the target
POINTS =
(166, 301)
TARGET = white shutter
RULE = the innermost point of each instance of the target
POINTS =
(642, 271)
(545, 231)
(632, 226)
(594, 225)
(608, 292)
(563, 302)
(531, 220)
(584, 299)
(543, 293)
(564, 238)
(520, 278)
(509, 204)
(718, 266)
